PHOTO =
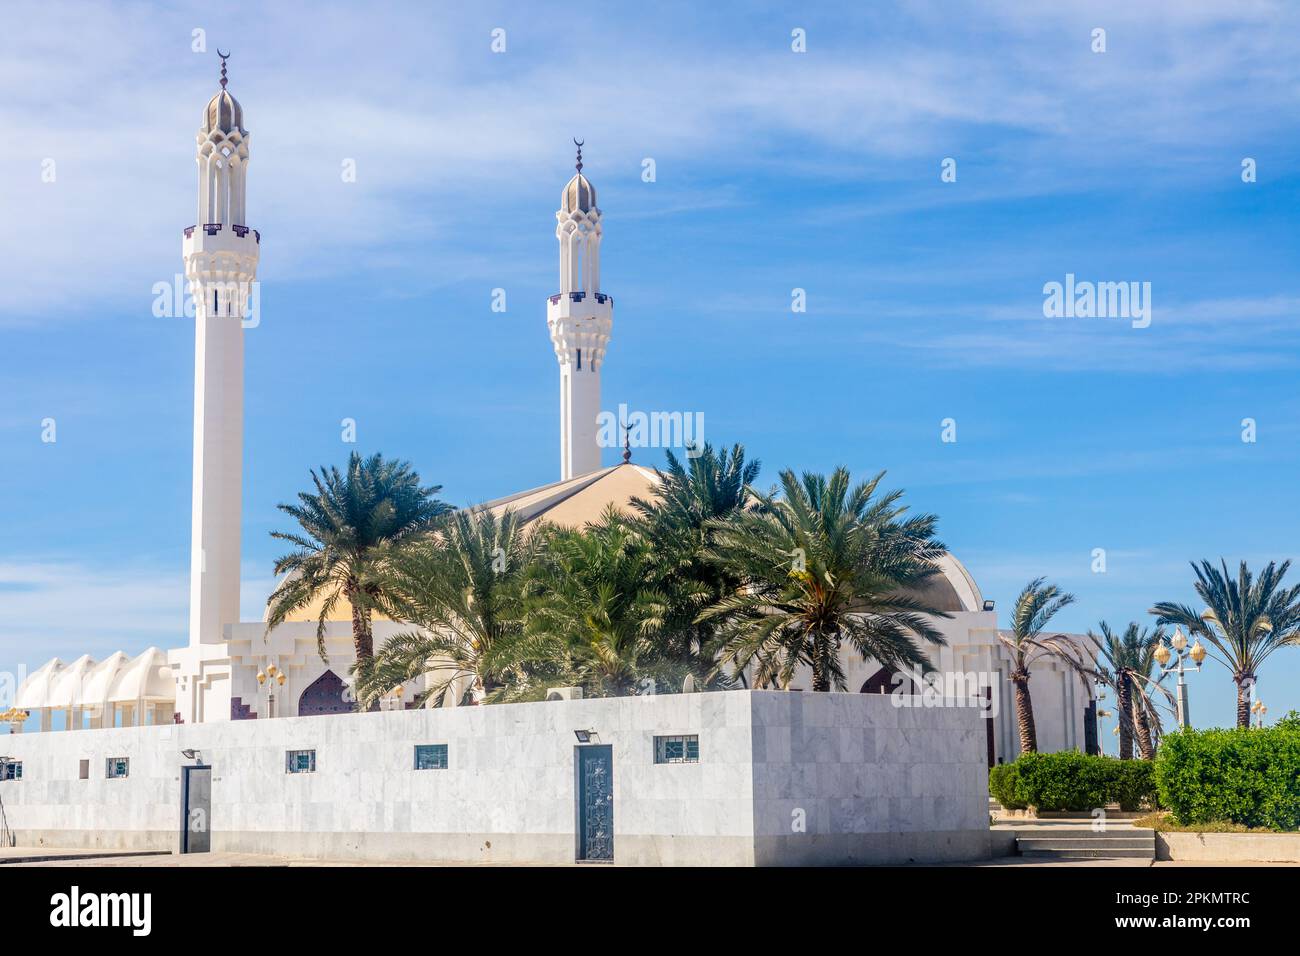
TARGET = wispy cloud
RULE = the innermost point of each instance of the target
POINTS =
(444, 132)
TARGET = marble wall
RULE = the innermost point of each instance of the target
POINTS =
(782, 778)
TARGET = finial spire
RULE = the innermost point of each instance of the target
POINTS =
(224, 57)
(578, 143)
(627, 443)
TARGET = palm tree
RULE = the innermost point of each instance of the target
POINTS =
(350, 525)
(681, 520)
(1245, 620)
(596, 612)
(1127, 664)
(461, 588)
(824, 566)
(1037, 604)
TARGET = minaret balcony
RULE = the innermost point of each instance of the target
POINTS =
(589, 306)
(216, 238)
(600, 297)
(213, 228)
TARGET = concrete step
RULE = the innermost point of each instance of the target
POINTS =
(1100, 853)
(1057, 843)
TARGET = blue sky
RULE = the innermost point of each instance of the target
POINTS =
(775, 170)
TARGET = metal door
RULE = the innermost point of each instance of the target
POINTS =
(596, 803)
(197, 837)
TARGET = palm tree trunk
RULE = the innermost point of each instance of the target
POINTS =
(363, 641)
(1145, 748)
(1244, 682)
(1025, 713)
(821, 678)
(1124, 710)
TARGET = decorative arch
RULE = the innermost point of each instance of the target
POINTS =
(327, 694)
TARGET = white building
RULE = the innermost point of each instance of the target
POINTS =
(215, 677)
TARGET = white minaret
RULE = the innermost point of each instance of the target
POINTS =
(580, 318)
(221, 255)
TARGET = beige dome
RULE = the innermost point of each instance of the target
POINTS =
(223, 113)
(579, 195)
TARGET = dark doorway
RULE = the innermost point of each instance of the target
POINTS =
(596, 803)
(328, 694)
(196, 787)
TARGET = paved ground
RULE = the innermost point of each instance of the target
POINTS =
(47, 857)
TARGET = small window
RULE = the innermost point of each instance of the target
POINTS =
(12, 770)
(84, 771)
(579, 360)
(431, 757)
(682, 749)
(300, 761)
(118, 767)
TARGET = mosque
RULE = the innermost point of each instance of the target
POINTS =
(234, 670)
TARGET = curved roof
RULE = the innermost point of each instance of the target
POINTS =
(145, 677)
(34, 691)
(953, 589)
(579, 195)
(66, 688)
(99, 679)
(117, 679)
(223, 113)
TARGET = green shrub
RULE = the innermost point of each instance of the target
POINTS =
(1073, 781)
(1064, 781)
(1004, 785)
(1249, 776)
(1134, 783)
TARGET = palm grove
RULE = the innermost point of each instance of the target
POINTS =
(713, 583)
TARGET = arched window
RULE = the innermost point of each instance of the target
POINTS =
(325, 695)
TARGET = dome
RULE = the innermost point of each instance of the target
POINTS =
(578, 195)
(952, 589)
(223, 113)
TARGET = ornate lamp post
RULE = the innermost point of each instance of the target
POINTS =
(1181, 651)
(1101, 715)
(1260, 710)
(15, 719)
(276, 676)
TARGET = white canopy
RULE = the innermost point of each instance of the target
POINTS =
(117, 679)
(146, 677)
(34, 691)
(94, 688)
(66, 688)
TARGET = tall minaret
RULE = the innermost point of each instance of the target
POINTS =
(580, 318)
(221, 255)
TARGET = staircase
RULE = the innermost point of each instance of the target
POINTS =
(1076, 840)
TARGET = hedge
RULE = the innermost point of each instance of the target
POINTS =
(1249, 776)
(1073, 781)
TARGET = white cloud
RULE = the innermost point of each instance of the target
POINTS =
(445, 134)
(65, 609)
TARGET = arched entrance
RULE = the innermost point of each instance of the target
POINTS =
(328, 694)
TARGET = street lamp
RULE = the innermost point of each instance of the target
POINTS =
(1180, 649)
(276, 676)
(1260, 710)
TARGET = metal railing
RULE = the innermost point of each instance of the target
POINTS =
(600, 297)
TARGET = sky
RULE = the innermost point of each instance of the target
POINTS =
(774, 171)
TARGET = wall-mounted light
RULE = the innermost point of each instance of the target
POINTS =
(192, 755)
(988, 605)
(587, 736)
